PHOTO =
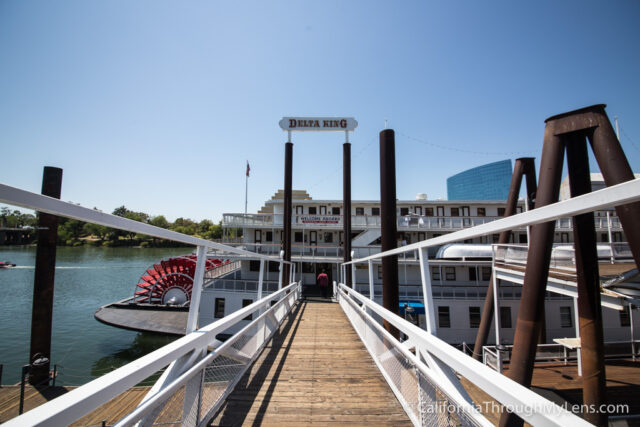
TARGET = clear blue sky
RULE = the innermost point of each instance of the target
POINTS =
(158, 105)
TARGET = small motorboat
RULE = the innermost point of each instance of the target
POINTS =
(6, 264)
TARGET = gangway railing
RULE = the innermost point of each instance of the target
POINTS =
(205, 371)
(443, 361)
(215, 366)
(423, 371)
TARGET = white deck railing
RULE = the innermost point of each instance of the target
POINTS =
(404, 222)
(444, 361)
(423, 373)
(196, 382)
(187, 357)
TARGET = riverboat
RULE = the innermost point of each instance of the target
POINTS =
(459, 273)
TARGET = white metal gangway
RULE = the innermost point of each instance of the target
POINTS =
(424, 372)
(197, 369)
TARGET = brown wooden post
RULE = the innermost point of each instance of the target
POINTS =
(537, 269)
(346, 204)
(43, 283)
(615, 170)
(588, 278)
(388, 218)
(570, 129)
(288, 168)
(523, 166)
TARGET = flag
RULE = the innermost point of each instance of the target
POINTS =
(248, 168)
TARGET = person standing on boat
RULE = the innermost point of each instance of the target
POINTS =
(323, 282)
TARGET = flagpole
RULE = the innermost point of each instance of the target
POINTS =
(246, 190)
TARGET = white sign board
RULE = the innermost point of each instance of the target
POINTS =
(318, 124)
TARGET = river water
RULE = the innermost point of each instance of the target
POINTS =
(86, 278)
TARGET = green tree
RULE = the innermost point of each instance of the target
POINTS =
(159, 221)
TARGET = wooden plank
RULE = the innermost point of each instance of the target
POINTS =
(315, 371)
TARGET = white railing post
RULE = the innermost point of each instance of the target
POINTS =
(427, 295)
(353, 271)
(194, 304)
(577, 321)
(633, 343)
(496, 309)
(371, 288)
(260, 279)
(280, 277)
(613, 258)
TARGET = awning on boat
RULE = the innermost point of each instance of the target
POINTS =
(418, 307)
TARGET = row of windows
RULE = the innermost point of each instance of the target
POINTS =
(404, 211)
(444, 315)
(566, 319)
(450, 273)
(220, 303)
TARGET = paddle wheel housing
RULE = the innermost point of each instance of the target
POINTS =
(171, 281)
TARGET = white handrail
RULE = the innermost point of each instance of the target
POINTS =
(621, 194)
(527, 404)
(53, 206)
(73, 405)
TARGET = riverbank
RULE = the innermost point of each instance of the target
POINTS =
(86, 278)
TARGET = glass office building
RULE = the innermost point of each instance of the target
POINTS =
(486, 182)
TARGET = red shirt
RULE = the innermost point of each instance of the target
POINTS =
(323, 279)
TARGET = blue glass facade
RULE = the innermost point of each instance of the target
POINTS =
(486, 182)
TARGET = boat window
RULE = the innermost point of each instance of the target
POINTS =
(246, 302)
(495, 238)
(359, 211)
(297, 237)
(254, 265)
(455, 212)
(450, 273)
(417, 210)
(274, 267)
(268, 236)
(500, 211)
(375, 211)
(565, 317)
(312, 210)
(444, 319)
(328, 237)
(435, 273)
(335, 210)
(617, 236)
(604, 237)
(379, 272)
(486, 273)
(440, 211)
(564, 237)
(472, 274)
(505, 317)
(474, 317)
(482, 212)
(219, 308)
(428, 211)
(466, 211)
(323, 210)
(298, 210)
(404, 211)
(625, 320)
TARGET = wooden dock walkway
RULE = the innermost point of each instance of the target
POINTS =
(315, 371)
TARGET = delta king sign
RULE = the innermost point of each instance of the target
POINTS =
(318, 124)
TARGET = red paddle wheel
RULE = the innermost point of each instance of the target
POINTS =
(171, 281)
